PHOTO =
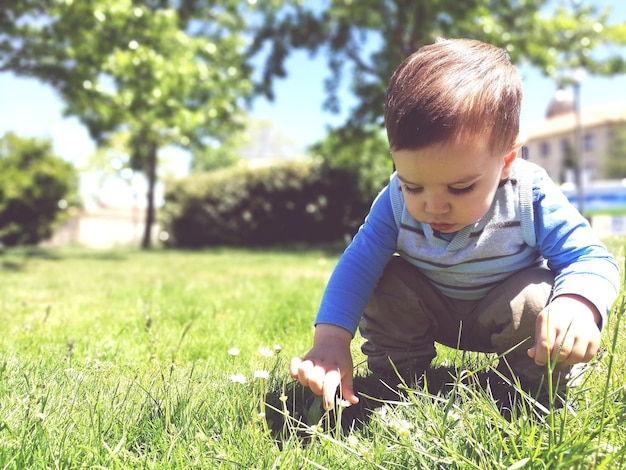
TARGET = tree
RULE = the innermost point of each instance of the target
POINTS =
(368, 39)
(146, 68)
(35, 186)
(615, 158)
(569, 160)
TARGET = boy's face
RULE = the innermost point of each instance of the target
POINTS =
(452, 185)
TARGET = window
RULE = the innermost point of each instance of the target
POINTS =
(544, 149)
(566, 146)
(589, 142)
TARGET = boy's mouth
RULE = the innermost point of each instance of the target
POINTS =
(443, 227)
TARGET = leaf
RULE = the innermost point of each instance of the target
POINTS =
(519, 464)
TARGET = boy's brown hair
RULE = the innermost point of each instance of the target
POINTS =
(454, 89)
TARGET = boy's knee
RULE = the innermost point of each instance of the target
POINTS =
(530, 290)
(403, 365)
(509, 313)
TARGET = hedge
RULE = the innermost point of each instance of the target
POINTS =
(295, 201)
(33, 182)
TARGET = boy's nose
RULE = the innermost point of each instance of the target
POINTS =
(436, 206)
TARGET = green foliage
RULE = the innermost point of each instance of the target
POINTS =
(367, 40)
(167, 73)
(244, 206)
(223, 155)
(360, 151)
(134, 66)
(34, 186)
(258, 138)
(615, 158)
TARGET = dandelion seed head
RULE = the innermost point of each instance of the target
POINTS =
(317, 428)
(261, 374)
(238, 378)
(283, 398)
(234, 351)
(401, 426)
(266, 352)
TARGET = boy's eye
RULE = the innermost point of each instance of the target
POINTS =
(464, 190)
(412, 190)
(451, 189)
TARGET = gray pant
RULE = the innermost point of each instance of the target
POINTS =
(406, 315)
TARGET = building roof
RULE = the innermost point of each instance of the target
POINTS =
(563, 102)
(564, 123)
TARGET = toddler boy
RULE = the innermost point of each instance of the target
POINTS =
(468, 245)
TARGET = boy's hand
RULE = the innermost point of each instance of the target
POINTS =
(568, 326)
(327, 365)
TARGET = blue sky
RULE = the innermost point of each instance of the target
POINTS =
(30, 108)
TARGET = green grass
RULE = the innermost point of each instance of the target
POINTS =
(126, 359)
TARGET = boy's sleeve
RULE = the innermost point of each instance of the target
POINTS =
(360, 267)
(582, 264)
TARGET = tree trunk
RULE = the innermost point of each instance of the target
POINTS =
(151, 174)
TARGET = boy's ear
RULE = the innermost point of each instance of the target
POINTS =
(508, 160)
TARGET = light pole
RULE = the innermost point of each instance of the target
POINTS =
(579, 143)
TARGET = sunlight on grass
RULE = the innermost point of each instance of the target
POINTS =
(171, 359)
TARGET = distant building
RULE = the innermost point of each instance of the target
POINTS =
(101, 227)
(552, 143)
(113, 214)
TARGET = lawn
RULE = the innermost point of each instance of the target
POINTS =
(178, 359)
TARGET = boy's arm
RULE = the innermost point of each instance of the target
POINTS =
(360, 267)
(582, 265)
(586, 280)
(328, 364)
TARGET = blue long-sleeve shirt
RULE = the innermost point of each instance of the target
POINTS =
(581, 264)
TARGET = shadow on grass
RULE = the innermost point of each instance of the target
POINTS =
(11, 265)
(14, 259)
(304, 409)
(329, 249)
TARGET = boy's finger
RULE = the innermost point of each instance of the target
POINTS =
(564, 347)
(331, 382)
(541, 342)
(304, 372)
(347, 390)
(294, 365)
(314, 378)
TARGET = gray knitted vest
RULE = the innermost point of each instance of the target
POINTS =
(481, 255)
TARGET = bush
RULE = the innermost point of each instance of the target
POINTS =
(244, 206)
(33, 181)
